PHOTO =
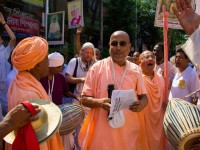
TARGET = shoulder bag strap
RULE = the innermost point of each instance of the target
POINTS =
(76, 66)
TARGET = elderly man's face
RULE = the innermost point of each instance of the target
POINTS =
(119, 47)
(87, 54)
(147, 62)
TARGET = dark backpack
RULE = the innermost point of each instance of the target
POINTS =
(73, 86)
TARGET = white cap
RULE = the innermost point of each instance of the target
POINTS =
(55, 59)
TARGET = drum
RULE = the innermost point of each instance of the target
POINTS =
(48, 123)
(182, 124)
(73, 115)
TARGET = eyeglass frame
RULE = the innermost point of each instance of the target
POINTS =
(116, 43)
(149, 56)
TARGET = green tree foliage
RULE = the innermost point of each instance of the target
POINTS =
(178, 37)
(118, 15)
(137, 17)
(148, 33)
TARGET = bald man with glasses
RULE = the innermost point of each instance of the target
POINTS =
(153, 114)
(96, 132)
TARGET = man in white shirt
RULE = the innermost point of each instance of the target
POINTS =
(76, 72)
(5, 66)
(186, 79)
(190, 21)
(84, 62)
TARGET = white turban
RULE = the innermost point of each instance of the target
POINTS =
(55, 59)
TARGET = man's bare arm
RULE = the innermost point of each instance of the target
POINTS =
(140, 104)
(16, 117)
(78, 39)
(74, 80)
(96, 102)
(9, 31)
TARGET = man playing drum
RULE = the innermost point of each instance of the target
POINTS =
(190, 21)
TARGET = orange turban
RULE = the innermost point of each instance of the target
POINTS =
(29, 52)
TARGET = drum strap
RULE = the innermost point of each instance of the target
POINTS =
(191, 94)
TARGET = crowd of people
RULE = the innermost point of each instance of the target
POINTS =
(86, 81)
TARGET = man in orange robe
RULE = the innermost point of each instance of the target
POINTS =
(30, 59)
(96, 133)
(152, 115)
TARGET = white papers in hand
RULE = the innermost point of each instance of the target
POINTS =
(121, 99)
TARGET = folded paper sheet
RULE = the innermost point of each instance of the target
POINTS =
(121, 99)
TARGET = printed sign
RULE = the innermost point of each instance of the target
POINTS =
(55, 28)
(23, 25)
(172, 20)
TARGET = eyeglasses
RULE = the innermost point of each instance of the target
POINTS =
(149, 56)
(121, 43)
(89, 53)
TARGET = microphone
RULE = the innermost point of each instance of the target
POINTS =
(110, 88)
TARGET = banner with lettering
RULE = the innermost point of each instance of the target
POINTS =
(23, 25)
(172, 20)
(75, 14)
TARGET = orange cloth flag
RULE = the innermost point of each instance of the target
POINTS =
(152, 115)
(22, 141)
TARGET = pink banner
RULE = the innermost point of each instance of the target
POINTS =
(23, 25)
(75, 14)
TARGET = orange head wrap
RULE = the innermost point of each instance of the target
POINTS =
(29, 52)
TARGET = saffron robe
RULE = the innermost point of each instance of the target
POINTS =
(26, 87)
(96, 133)
(152, 115)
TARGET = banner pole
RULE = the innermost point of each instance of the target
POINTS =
(165, 30)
